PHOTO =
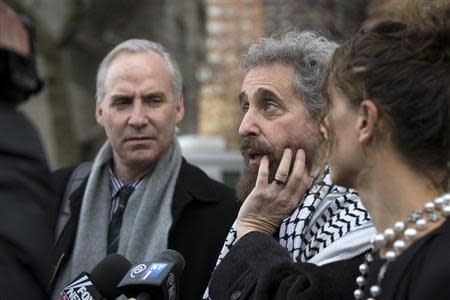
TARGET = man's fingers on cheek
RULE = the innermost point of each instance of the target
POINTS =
(300, 160)
(285, 162)
(263, 171)
(296, 178)
(264, 167)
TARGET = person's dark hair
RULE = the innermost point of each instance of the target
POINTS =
(405, 69)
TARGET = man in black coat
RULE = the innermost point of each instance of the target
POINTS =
(28, 205)
(169, 203)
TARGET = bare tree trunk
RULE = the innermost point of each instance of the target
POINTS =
(60, 107)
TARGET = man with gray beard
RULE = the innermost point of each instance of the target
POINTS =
(297, 235)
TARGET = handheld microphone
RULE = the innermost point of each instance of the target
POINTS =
(155, 280)
(102, 281)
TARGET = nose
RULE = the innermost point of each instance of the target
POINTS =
(138, 116)
(249, 125)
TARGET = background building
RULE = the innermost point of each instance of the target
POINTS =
(230, 27)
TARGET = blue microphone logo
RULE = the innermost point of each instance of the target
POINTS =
(154, 270)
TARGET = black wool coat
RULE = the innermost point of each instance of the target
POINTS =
(203, 211)
(259, 268)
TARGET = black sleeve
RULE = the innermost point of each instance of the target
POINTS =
(28, 210)
(258, 267)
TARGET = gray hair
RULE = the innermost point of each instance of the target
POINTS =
(137, 46)
(308, 54)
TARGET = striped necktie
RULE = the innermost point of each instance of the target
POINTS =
(116, 221)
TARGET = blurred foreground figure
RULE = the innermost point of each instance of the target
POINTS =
(28, 206)
(388, 128)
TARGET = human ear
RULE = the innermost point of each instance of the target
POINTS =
(179, 109)
(367, 120)
(323, 128)
(99, 113)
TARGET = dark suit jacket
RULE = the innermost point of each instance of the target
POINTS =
(27, 210)
(203, 211)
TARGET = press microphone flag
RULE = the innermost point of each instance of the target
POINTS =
(81, 288)
(101, 283)
(157, 280)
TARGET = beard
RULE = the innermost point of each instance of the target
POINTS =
(247, 180)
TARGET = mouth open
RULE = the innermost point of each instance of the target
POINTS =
(254, 158)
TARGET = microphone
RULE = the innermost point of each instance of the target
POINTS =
(102, 281)
(154, 280)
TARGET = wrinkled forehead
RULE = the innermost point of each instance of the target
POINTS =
(277, 78)
(138, 68)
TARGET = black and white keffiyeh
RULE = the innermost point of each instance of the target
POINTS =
(327, 213)
(330, 224)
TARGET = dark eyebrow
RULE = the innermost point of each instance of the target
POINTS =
(263, 93)
(120, 96)
(155, 94)
(242, 97)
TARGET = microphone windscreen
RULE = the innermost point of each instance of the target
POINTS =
(175, 257)
(107, 274)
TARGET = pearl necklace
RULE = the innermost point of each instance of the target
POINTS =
(397, 238)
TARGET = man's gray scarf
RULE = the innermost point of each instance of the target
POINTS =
(146, 221)
(330, 224)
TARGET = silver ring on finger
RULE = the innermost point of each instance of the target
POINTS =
(278, 182)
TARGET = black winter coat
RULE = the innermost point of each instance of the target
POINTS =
(259, 268)
(203, 211)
